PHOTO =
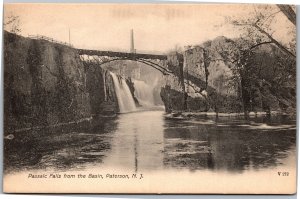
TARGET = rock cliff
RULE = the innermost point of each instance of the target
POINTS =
(47, 83)
(204, 80)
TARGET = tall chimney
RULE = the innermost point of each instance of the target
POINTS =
(132, 50)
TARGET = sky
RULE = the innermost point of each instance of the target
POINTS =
(158, 28)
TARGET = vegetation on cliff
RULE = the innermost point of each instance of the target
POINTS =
(47, 84)
(255, 72)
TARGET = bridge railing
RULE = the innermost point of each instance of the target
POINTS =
(41, 37)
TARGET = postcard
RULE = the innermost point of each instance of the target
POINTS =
(149, 98)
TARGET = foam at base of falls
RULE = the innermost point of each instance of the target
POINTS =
(125, 99)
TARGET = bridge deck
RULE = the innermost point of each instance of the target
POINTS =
(121, 54)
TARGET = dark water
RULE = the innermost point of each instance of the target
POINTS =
(148, 141)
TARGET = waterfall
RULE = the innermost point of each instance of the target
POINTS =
(125, 99)
(144, 93)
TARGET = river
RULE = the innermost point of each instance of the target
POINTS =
(149, 141)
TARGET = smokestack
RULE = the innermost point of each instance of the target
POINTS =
(132, 50)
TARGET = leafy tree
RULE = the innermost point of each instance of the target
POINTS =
(262, 59)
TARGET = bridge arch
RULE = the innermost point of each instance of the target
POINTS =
(156, 66)
(109, 56)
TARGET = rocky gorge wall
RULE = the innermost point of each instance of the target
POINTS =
(204, 80)
(100, 86)
(47, 84)
(194, 86)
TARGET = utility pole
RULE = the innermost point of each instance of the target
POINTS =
(69, 37)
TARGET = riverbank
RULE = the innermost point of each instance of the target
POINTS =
(188, 115)
(79, 122)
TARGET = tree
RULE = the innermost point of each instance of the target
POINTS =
(260, 27)
(12, 24)
(289, 12)
(263, 59)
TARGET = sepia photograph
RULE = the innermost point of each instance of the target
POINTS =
(149, 98)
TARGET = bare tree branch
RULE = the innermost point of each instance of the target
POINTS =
(271, 15)
(256, 45)
(274, 41)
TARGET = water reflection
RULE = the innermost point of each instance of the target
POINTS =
(148, 141)
(229, 144)
(71, 147)
(137, 142)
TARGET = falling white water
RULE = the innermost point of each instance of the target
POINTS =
(144, 93)
(125, 99)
